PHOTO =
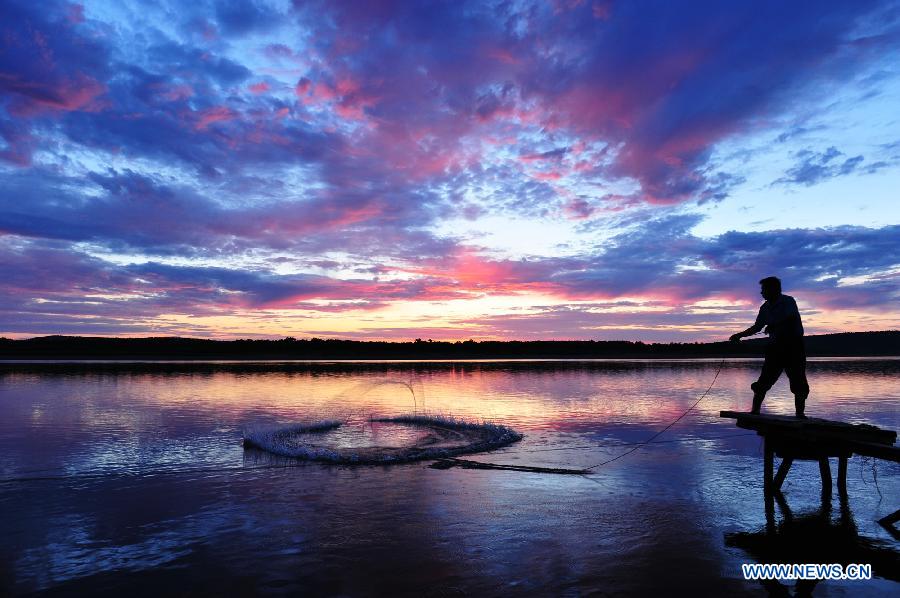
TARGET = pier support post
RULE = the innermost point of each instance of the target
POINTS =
(768, 465)
(890, 519)
(888, 523)
(842, 475)
(782, 472)
(825, 471)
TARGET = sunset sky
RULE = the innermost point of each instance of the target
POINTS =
(446, 170)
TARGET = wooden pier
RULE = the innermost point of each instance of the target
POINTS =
(814, 439)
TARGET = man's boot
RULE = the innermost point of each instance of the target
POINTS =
(757, 402)
(800, 405)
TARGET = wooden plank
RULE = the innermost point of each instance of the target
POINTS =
(879, 451)
(775, 420)
(800, 448)
(865, 432)
(813, 427)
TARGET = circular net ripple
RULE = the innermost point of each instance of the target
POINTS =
(388, 440)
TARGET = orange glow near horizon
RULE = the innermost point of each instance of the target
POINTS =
(503, 318)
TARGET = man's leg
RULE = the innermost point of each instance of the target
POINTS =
(796, 373)
(758, 397)
(770, 371)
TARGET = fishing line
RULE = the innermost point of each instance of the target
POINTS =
(675, 421)
(616, 443)
(863, 461)
(635, 447)
(585, 471)
(164, 472)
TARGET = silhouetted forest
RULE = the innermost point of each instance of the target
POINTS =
(161, 348)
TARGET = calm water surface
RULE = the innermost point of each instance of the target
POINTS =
(131, 478)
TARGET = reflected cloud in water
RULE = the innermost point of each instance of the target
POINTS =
(143, 479)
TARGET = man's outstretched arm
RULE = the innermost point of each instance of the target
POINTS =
(757, 326)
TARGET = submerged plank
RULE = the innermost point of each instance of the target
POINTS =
(466, 464)
(877, 450)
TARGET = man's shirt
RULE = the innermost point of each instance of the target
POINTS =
(781, 318)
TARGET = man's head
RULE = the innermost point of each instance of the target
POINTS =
(770, 288)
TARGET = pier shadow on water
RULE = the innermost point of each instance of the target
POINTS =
(820, 536)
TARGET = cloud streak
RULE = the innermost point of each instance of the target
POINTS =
(329, 157)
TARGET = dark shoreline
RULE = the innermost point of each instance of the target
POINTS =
(847, 344)
(400, 368)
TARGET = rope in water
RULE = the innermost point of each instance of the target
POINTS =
(49, 475)
(441, 464)
(675, 421)
(616, 443)
(446, 463)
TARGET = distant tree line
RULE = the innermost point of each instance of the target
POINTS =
(885, 343)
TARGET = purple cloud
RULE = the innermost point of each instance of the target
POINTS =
(42, 278)
(813, 167)
(336, 139)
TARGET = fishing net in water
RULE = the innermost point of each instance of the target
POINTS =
(379, 439)
(402, 439)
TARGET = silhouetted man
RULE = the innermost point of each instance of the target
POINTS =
(781, 319)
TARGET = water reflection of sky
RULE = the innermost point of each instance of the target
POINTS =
(145, 480)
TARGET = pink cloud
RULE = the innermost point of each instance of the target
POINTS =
(551, 175)
(602, 9)
(302, 88)
(278, 51)
(578, 208)
(75, 14)
(213, 115)
(560, 6)
(174, 93)
(502, 55)
(209, 31)
(76, 93)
